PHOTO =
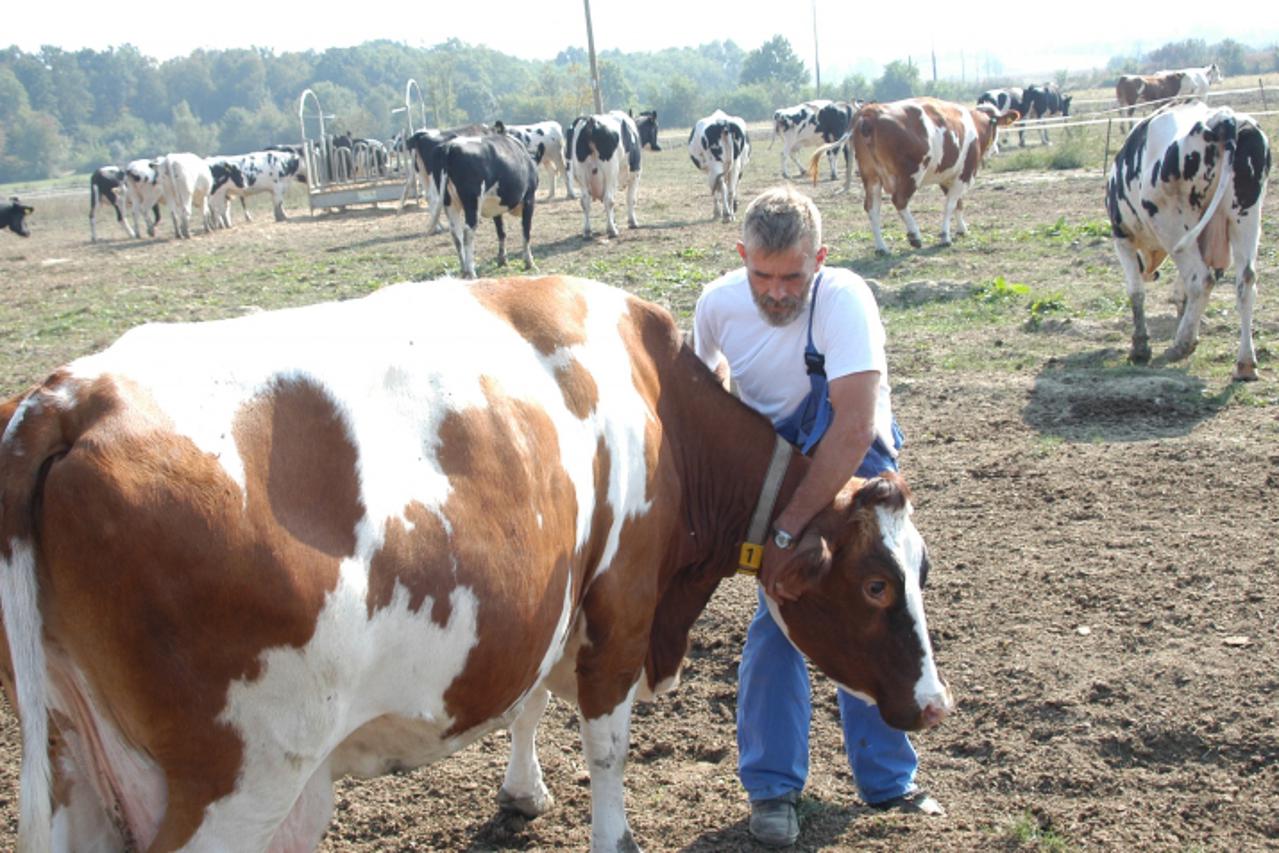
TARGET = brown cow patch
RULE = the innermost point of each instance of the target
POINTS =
(581, 394)
(556, 319)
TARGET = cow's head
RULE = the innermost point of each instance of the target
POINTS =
(15, 217)
(1065, 104)
(646, 124)
(860, 614)
(989, 118)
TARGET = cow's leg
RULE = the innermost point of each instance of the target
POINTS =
(902, 195)
(605, 740)
(501, 240)
(526, 229)
(610, 217)
(523, 790)
(1196, 280)
(953, 194)
(586, 215)
(1136, 286)
(632, 199)
(785, 154)
(244, 208)
(1243, 248)
(1021, 135)
(873, 204)
(278, 198)
(831, 157)
(1043, 135)
(93, 211)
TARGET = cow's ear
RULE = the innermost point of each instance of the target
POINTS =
(1010, 117)
(811, 563)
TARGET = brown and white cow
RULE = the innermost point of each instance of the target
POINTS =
(1133, 89)
(905, 145)
(1190, 182)
(243, 558)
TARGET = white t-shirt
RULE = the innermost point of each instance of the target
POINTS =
(767, 361)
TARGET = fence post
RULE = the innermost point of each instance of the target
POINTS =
(1105, 157)
(1262, 87)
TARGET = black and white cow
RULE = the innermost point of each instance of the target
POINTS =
(425, 144)
(646, 126)
(142, 193)
(798, 126)
(1003, 100)
(485, 176)
(1041, 102)
(606, 160)
(13, 215)
(370, 158)
(106, 186)
(1189, 182)
(720, 146)
(271, 171)
(226, 177)
(545, 144)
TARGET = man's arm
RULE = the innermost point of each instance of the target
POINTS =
(850, 435)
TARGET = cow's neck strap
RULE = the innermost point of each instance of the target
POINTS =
(752, 553)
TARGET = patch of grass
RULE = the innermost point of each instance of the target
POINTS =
(1029, 830)
(1000, 289)
(1040, 307)
(1063, 231)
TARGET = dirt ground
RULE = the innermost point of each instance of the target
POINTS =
(1105, 592)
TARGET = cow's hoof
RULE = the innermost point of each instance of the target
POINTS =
(529, 805)
(946, 241)
(1139, 356)
(1177, 352)
(883, 253)
(915, 241)
(1244, 372)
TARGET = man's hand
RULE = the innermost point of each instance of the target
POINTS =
(780, 573)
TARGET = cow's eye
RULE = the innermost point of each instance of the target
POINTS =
(876, 591)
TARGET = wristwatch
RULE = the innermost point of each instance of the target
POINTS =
(782, 539)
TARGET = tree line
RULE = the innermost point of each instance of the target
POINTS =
(64, 111)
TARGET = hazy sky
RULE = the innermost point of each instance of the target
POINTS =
(994, 35)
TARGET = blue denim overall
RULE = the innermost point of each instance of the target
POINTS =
(774, 707)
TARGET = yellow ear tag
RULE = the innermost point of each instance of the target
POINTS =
(752, 557)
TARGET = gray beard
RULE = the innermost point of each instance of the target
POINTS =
(793, 306)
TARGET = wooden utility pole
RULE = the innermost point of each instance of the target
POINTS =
(817, 64)
(590, 47)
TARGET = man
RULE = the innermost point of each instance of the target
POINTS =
(754, 325)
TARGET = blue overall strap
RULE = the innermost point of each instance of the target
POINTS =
(805, 426)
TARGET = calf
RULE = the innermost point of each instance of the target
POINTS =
(720, 146)
(486, 176)
(186, 183)
(1189, 182)
(905, 145)
(1041, 102)
(1133, 89)
(226, 177)
(13, 214)
(106, 186)
(545, 144)
(606, 160)
(646, 127)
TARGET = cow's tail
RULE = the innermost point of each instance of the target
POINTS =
(815, 161)
(32, 439)
(1224, 181)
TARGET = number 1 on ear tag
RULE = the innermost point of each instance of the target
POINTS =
(751, 558)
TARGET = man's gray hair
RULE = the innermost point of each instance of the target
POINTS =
(781, 219)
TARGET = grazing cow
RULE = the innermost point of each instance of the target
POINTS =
(1041, 102)
(905, 145)
(545, 144)
(720, 146)
(1003, 100)
(186, 182)
(370, 158)
(646, 127)
(13, 214)
(1133, 89)
(106, 186)
(1189, 182)
(606, 160)
(270, 171)
(487, 176)
(242, 559)
(143, 193)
